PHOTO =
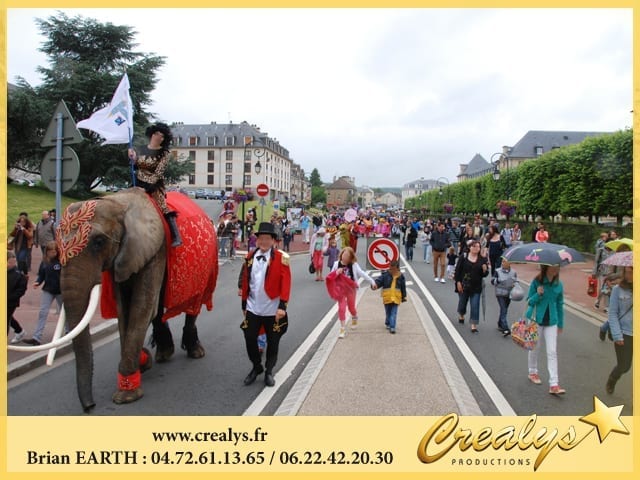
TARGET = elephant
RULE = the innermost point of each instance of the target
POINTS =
(120, 241)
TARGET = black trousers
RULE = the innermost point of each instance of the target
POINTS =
(624, 356)
(251, 327)
(11, 321)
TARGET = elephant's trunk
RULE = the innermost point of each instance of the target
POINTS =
(84, 369)
(76, 289)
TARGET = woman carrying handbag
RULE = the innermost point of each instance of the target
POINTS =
(546, 308)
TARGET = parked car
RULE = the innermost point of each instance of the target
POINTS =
(24, 181)
(205, 193)
(217, 194)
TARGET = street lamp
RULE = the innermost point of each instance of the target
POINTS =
(496, 166)
(440, 186)
(249, 152)
(496, 169)
(440, 189)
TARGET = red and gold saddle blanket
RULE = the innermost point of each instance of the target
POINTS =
(192, 269)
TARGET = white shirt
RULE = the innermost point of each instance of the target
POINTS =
(258, 301)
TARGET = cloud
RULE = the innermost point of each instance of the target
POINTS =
(382, 95)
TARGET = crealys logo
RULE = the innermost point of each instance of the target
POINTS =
(447, 433)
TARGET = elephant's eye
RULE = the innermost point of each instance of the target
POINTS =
(97, 243)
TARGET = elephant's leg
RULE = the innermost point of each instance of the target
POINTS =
(190, 341)
(162, 338)
(144, 294)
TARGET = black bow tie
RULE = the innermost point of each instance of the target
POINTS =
(262, 258)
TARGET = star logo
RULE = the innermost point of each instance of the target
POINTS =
(605, 419)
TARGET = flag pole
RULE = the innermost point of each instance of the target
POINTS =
(131, 166)
(133, 172)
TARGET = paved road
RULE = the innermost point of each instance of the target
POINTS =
(431, 366)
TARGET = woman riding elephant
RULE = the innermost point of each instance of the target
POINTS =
(120, 241)
(150, 165)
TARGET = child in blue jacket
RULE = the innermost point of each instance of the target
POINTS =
(394, 292)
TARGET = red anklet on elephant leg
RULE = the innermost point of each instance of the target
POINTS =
(144, 357)
(129, 382)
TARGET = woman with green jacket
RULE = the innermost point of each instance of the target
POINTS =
(546, 307)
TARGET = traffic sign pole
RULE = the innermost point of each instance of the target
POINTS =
(59, 132)
(59, 138)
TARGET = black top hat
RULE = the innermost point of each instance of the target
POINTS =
(266, 227)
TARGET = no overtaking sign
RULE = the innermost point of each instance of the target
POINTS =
(381, 252)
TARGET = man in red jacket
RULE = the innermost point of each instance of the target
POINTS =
(264, 285)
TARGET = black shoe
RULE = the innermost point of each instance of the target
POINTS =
(269, 381)
(253, 374)
(602, 335)
(31, 341)
(506, 333)
(460, 319)
(611, 385)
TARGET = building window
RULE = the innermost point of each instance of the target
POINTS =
(230, 141)
(247, 155)
(228, 167)
(177, 141)
(209, 179)
(192, 155)
(210, 167)
(228, 180)
(212, 141)
(211, 155)
(193, 141)
(192, 179)
(247, 179)
(539, 150)
(229, 155)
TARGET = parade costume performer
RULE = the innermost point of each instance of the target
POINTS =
(149, 165)
(264, 285)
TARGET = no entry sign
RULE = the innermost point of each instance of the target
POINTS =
(380, 253)
(262, 190)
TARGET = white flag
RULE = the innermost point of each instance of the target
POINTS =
(115, 121)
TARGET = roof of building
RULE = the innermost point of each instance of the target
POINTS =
(422, 184)
(548, 140)
(476, 165)
(341, 184)
(221, 130)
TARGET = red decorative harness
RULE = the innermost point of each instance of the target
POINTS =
(80, 222)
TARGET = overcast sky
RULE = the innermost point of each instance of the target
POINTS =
(384, 96)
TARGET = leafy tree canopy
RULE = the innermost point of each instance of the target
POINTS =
(314, 178)
(86, 61)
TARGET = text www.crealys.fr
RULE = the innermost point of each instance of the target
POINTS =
(229, 435)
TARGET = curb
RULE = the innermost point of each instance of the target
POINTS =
(39, 359)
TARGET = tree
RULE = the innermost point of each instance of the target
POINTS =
(318, 193)
(87, 60)
(26, 116)
(314, 178)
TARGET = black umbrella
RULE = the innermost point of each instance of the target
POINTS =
(543, 254)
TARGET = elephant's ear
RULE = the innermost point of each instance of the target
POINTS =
(143, 236)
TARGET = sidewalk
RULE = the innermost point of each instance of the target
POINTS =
(372, 372)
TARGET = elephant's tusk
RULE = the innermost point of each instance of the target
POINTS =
(91, 308)
(56, 335)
